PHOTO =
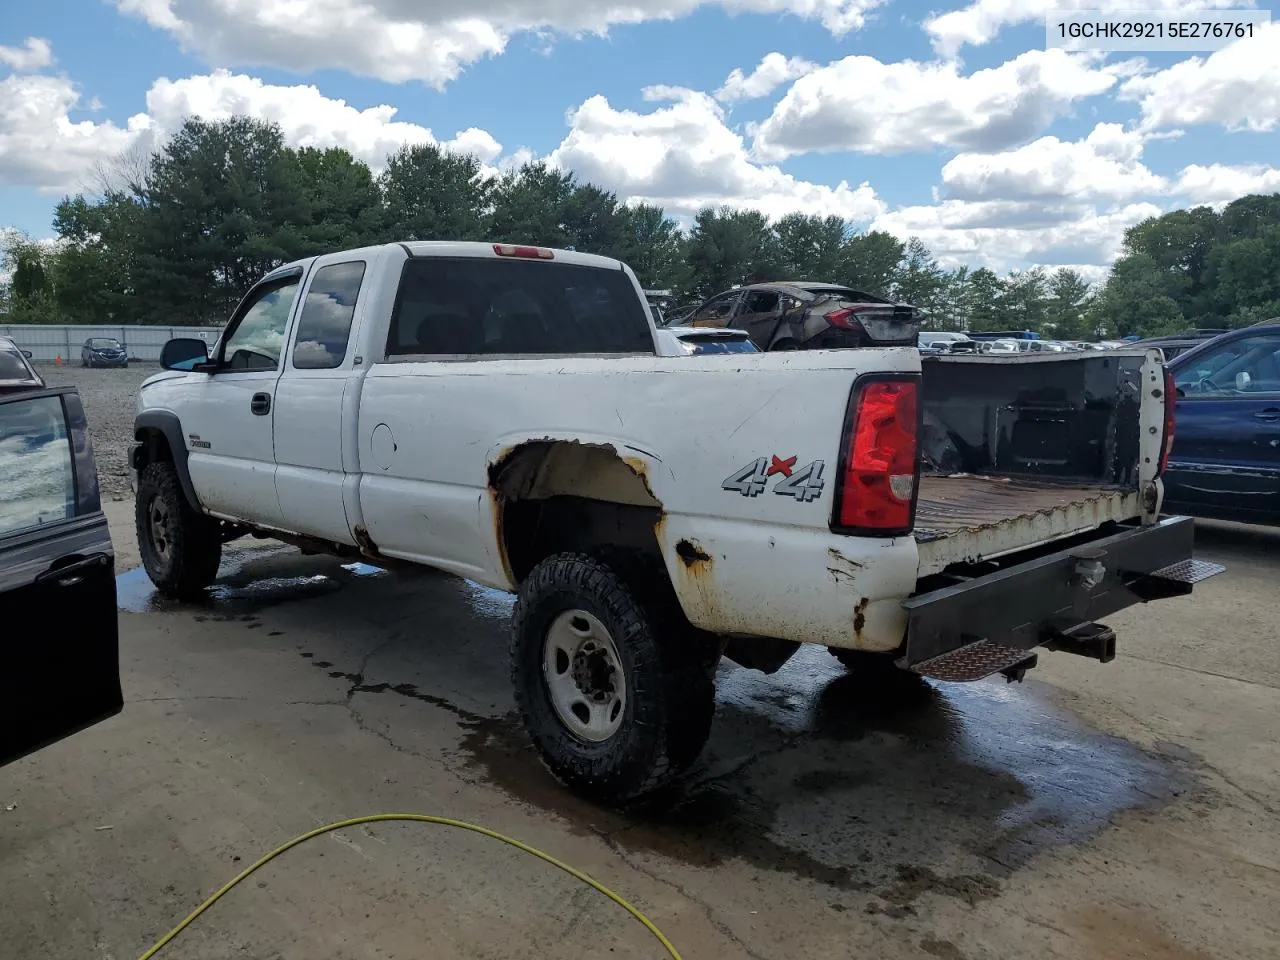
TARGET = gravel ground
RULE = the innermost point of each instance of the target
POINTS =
(110, 400)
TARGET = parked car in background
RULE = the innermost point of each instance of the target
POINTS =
(688, 341)
(936, 341)
(801, 315)
(1225, 462)
(1007, 348)
(56, 560)
(16, 372)
(103, 352)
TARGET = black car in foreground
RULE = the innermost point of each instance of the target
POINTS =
(104, 352)
(58, 621)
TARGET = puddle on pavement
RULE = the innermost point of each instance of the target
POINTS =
(250, 580)
(895, 789)
(887, 789)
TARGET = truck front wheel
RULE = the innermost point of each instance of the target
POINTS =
(180, 546)
(608, 675)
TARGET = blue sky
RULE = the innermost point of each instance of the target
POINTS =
(947, 122)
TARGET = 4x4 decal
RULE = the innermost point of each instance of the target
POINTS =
(803, 484)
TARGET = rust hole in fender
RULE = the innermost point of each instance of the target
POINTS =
(690, 553)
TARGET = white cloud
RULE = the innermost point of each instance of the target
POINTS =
(1217, 184)
(34, 54)
(1237, 87)
(41, 147)
(1002, 234)
(306, 116)
(772, 72)
(864, 105)
(1105, 164)
(682, 157)
(982, 20)
(397, 40)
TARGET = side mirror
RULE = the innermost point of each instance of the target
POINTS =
(183, 353)
(1243, 380)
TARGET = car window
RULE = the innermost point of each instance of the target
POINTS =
(37, 485)
(101, 343)
(258, 339)
(324, 325)
(715, 311)
(465, 306)
(1248, 366)
(760, 301)
(12, 365)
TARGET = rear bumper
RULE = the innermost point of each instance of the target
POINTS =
(992, 623)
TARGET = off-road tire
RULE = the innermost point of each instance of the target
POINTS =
(670, 692)
(189, 562)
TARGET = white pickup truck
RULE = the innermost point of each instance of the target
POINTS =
(505, 413)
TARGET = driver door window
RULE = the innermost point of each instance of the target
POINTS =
(1244, 368)
(257, 341)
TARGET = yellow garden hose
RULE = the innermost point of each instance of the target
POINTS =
(415, 818)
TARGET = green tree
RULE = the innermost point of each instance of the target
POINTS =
(594, 222)
(985, 305)
(432, 194)
(871, 261)
(920, 281)
(655, 248)
(94, 272)
(1141, 297)
(728, 247)
(222, 205)
(1026, 298)
(342, 203)
(810, 247)
(1066, 312)
(31, 294)
(529, 205)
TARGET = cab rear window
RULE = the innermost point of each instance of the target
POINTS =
(477, 306)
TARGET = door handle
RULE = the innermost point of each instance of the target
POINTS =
(1271, 413)
(68, 575)
(260, 404)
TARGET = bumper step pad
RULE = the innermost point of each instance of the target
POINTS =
(1189, 571)
(974, 661)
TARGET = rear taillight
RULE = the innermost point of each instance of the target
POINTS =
(1170, 408)
(842, 318)
(878, 482)
(527, 253)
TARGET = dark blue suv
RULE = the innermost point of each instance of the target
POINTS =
(1225, 462)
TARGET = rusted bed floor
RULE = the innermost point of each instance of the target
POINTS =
(965, 518)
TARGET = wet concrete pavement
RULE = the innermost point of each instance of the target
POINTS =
(1118, 811)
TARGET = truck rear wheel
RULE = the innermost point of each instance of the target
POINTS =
(180, 546)
(608, 675)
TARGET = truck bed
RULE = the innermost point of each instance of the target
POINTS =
(965, 518)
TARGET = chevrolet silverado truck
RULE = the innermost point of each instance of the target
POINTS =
(504, 413)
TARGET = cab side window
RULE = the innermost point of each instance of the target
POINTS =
(38, 483)
(257, 340)
(324, 325)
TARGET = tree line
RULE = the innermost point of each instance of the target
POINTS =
(177, 236)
